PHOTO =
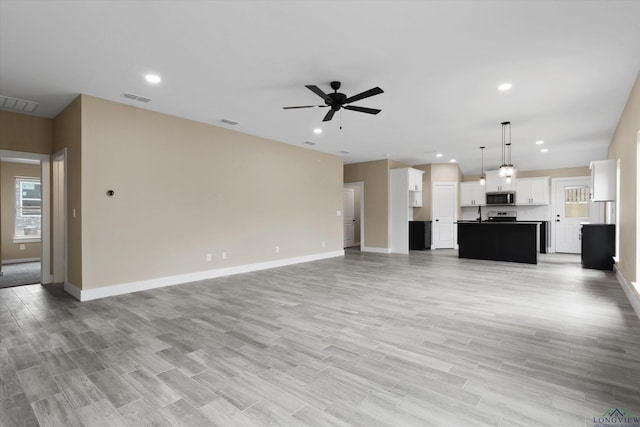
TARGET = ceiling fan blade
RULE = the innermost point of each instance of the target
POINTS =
(329, 115)
(362, 109)
(365, 94)
(318, 91)
(305, 106)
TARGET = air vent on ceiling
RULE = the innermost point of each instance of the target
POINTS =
(17, 104)
(344, 152)
(310, 143)
(136, 97)
(229, 122)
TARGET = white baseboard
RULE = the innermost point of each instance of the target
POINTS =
(143, 285)
(629, 290)
(375, 250)
(19, 260)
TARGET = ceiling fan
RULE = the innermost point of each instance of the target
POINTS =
(337, 100)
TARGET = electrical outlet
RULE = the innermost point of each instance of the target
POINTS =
(338, 213)
(277, 249)
(22, 247)
(324, 244)
(224, 255)
(208, 257)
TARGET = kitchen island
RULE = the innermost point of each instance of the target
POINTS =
(498, 241)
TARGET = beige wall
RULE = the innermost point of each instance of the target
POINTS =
(20, 132)
(553, 173)
(623, 147)
(184, 189)
(67, 134)
(375, 176)
(8, 172)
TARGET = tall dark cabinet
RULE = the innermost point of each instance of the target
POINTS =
(419, 235)
(598, 246)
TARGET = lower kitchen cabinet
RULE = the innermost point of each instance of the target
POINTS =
(598, 246)
(419, 235)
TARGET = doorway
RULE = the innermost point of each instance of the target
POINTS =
(28, 203)
(572, 206)
(353, 214)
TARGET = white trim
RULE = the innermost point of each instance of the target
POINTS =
(629, 290)
(20, 239)
(45, 182)
(143, 285)
(19, 260)
(360, 186)
(62, 234)
(375, 250)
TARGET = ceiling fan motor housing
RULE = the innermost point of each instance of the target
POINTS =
(336, 100)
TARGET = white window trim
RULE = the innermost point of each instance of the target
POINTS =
(26, 239)
(29, 239)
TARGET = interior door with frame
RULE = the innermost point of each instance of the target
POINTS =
(443, 215)
(348, 216)
(572, 207)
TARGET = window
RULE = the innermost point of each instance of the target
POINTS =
(28, 208)
(576, 202)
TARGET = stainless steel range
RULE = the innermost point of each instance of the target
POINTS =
(502, 216)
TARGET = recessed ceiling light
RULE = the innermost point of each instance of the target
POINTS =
(317, 131)
(504, 87)
(452, 160)
(439, 155)
(153, 78)
(544, 150)
(540, 142)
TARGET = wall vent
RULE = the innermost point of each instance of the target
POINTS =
(16, 104)
(136, 97)
(310, 143)
(344, 152)
(229, 122)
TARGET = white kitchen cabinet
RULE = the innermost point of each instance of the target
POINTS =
(603, 180)
(472, 194)
(415, 179)
(404, 197)
(532, 191)
(496, 183)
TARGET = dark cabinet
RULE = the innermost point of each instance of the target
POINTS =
(598, 246)
(419, 235)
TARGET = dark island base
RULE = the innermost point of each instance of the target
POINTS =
(502, 241)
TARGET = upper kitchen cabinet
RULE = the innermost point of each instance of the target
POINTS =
(415, 179)
(532, 191)
(603, 180)
(496, 183)
(472, 194)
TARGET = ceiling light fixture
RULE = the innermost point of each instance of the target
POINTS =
(317, 131)
(483, 178)
(506, 169)
(439, 155)
(452, 161)
(540, 142)
(153, 78)
(544, 150)
(505, 87)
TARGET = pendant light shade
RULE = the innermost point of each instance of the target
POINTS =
(506, 169)
(483, 178)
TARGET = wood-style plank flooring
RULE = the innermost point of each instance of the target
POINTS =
(365, 340)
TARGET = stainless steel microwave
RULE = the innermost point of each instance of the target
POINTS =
(501, 198)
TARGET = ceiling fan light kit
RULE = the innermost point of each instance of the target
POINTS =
(336, 100)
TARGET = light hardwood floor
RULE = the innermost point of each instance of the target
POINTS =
(364, 340)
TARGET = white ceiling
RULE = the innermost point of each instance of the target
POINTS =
(572, 65)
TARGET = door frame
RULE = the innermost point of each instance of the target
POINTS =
(456, 208)
(60, 225)
(45, 229)
(555, 207)
(360, 186)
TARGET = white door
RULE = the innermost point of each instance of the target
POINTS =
(443, 215)
(348, 215)
(59, 218)
(570, 208)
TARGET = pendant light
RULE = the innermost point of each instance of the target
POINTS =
(483, 178)
(506, 169)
